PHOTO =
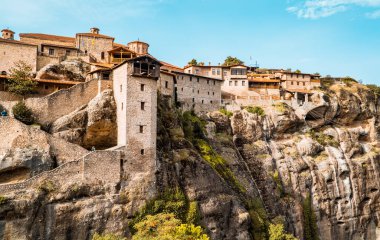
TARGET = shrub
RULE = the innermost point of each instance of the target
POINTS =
(280, 107)
(225, 112)
(3, 200)
(107, 237)
(255, 110)
(375, 89)
(310, 222)
(165, 226)
(323, 139)
(22, 113)
(276, 232)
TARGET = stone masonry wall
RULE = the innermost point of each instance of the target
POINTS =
(42, 61)
(95, 46)
(14, 52)
(98, 166)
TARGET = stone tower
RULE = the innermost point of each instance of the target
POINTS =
(141, 48)
(135, 92)
(7, 34)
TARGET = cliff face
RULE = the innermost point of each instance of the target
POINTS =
(315, 169)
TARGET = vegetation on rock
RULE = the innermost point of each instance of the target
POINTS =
(107, 237)
(323, 139)
(310, 221)
(164, 226)
(21, 79)
(255, 110)
(22, 113)
(225, 112)
(276, 232)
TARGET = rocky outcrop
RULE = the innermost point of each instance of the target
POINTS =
(69, 70)
(92, 125)
(26, 151)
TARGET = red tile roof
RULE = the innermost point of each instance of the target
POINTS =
(7, 30)
(16, 42)
(48, 37)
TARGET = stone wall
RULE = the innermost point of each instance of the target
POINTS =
(42, 61)
(166, 84)
(204, 94)
(12, 52)
(95, 46)
(97, 166)
(38, 41)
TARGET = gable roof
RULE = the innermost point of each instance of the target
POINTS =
(138, 58)
(16, 42)
(42, 36)
(117, 49)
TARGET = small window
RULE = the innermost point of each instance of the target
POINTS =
(211, 101)
(142, 151)
(46, 87)
(208, 93)
(166, 84)
(181, 89)
(193, 99)
(51, 51)
(191, 79)
(213, 93)
(236, 83)
(68, 52)
(202, 101)
(214, 82)
(142, 87)
(198, 91)
(102, 55)
(121, 88)
(197, 79)
(230, 83)
(142, 105)
(208, 81)
(141, 129)
(122, 106)
(243, 83)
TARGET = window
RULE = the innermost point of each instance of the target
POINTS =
(102, 55)
(213, 93)
(142, 105)
(141, 129)
(208, 93)
(198, 91)
(142, 87)
(122, 106)
(181, 89)
(202, 101)
(230, 83)
(304, 83)
(51, 51)
(225, 73)
(236, 83)
(166, 84)
(142, 152)
(218, 72)
(46, 87)
(191, 79)
(243, 83)
(196, 71)
(211, 101)
(208, 81)
(68, 52)
(197, 79)
(193, 99)
(214, 82)
(213, 71)
(121, 88)
(106, 76)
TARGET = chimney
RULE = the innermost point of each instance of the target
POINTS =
(94, 30)
(7, 34)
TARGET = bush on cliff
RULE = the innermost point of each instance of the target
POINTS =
(165, 226)
(276, 232)
(255, 110)
(22, 113)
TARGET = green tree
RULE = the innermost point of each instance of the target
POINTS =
(298, 71)
(276, 232)
(21, 79)
(231, 61)
(165, 226)
(22, 113)
(193, 62)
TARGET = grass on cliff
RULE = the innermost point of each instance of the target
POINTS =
(323, 139)
(3, 200)
(225, 112)
(255, 110)
(309, 220)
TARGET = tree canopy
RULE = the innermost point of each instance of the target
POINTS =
(21, 79)
(231, 61)
(193, 62)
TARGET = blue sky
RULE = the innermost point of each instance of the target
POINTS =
(336, 37)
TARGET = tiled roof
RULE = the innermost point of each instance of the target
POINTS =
(16, 42)
(48, 37)
(165, 64)
(263, 80)
(94, 35)
(138, 41)
(57, 45)
(7, 30)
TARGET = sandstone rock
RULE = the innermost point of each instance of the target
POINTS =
(70, 70)
(91, 125)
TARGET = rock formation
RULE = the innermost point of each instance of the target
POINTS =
(314, 169)
(69, 70)
(92, 125)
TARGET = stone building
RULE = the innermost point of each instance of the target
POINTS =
(135, 92)
(94, 44)
(198, 92)
(12, 51)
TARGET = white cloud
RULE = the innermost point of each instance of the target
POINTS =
(373, 15)
(314, 9)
